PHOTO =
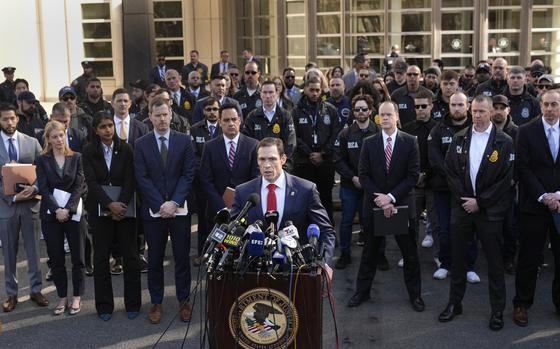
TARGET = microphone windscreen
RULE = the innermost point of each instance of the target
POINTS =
(256, 244)
(313, 231)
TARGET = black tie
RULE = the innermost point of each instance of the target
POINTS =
(163, 151)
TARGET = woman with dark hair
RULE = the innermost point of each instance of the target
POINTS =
(109, 174)
(284, 101)
(381, 88)
(335, 72)
(61, 184)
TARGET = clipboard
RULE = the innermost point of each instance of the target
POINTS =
(14, 174)
(114, 193)
(228, 196)
(397, 224)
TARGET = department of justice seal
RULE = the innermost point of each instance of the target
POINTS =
(263, 318)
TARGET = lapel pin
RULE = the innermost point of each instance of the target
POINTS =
(292, 193)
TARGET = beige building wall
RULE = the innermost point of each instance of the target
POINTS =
(203, 29)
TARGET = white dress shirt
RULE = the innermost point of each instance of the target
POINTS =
(479, 140)
(269, 113)
(6, 142)
(227, 140)
(118, 122)
(108, 154)
(280, 192)
(166, 135)
(393, 141)
(195, 92)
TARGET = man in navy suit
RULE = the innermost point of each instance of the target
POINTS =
(295, 199)
(389, 168)
(227, 161)
(538, 166)
(157, 74)
(164, 169)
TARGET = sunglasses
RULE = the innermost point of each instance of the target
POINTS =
(421, 106)
(468, 76)
(251, 72)
(233, 74)
(161, 60)
(361, 109)
(289, 77)
(68, 98)
(212, 109)
(364, 75)
(544, 87)
(412, 74)
(536, 75)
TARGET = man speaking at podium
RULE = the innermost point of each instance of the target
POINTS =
(295, 199)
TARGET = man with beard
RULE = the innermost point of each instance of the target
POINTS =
(523, 106)
(94, 101)
(431, 79)
(339, 100)
(79, 119)
(482, 73)
(404, 96)
(30, 122)
(497, 84)
(449, 85)
(438, 143)
(137, 94)
(81, 82)
(292, 90)
(196, 86)
(317, 126)
(467, 83)
(249, 96)
(346, 159)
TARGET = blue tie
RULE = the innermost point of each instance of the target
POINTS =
(12, 150)
(552, 143)
(212, 130)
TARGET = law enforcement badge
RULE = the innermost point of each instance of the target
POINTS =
(258, 103)
(187, 105)
(377, 119)
(263, 318)
(494, 156)
(324, 98)
(525, 113)
(276, 129)
(327, 120)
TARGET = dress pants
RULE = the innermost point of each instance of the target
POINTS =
(411, 268)
(28, 223)
(106, 231)
(511, 231)
(532, 240)
(54, 232)
(463, 226)
(157, 232)
(323, 177)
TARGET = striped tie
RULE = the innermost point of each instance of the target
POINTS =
(388, 153)
(231, 155)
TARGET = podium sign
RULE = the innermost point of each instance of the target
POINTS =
(255, 312)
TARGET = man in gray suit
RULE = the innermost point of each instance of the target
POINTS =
(19, 212)
(351, 77)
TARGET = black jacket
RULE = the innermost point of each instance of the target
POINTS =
(96, 174)
(493, 194)
(440, 108)
(347, 150)
(523, 107)
(91, 109)
(405, 101)
(200, 135)
(422, 129)
(248, 103)
(316, 129)
(439, 140)
(491, 87)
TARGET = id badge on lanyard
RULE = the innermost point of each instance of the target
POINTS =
(313, 124)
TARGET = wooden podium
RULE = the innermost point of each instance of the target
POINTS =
(254, 312)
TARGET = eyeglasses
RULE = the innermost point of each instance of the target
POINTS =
(233, 74)
(251, 72)
(364, 75)
(289, 77)
(412, 74)
(360, 109)
(212, 109)
(469, 76)
(544, 87)
(421, 106)
(68, 98)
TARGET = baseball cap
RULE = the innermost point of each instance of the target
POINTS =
(140, 83)
(27, 96)
(66, 90)
(500, 99)
(483, 68)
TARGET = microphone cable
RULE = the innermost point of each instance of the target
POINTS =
(331, 302)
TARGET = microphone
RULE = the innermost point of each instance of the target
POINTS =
(232, 242)
(253, 200)
(290, 237)
(215, 237)
(271, 218)
(278, 259)
(286, 244)
(313, 234)
(256, 244)
(222, 217)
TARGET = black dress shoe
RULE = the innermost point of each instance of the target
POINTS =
(343, 261)
(357, 299)
(449, 313)
(89, 270)
(418, 304)
(382, 263)
(496, 321)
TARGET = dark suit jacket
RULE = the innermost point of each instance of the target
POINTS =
(136, 130)
(537, 170)
(302, 206)
(96, 174)
(186, 106)
(215, 174)
(77, 139)
(215, 69)
(198, 113)
(155, 77)
(156, 183)
(399, 181)
(72, 181)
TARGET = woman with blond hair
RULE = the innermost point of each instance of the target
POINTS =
(61, 184)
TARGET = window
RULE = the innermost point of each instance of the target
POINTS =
(544, 34)
(296, 39)
(457, 33)
(97, 43)
(329, 40)
(168, 31)
(504, 23)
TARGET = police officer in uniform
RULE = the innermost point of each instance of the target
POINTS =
(346, 158)
(81, 82)
(479, 167)
(7, 87)
(270, 120)
(249, 97)
(316, 125)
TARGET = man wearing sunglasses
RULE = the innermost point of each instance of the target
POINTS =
(249, 96)
(523, 106)
(157, 74)
(544, 83)
(497, 84)
(292, 90)
(404, 96)
(80, 120)
(467, 82)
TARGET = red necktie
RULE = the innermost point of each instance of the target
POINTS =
(388, 153)
(271, 198)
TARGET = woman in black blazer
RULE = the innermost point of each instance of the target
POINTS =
(60, 169)
(108, 161)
